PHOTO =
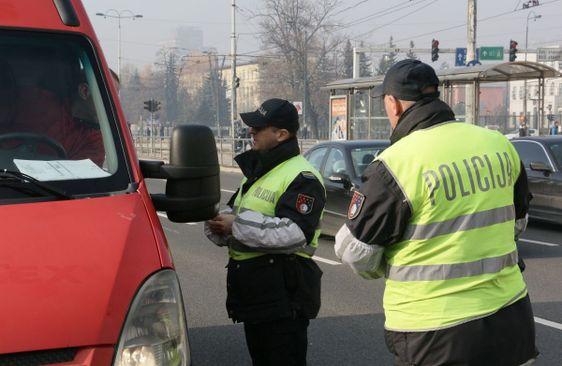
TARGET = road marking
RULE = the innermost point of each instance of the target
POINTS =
(171, 230)
(335, 213)
(228, 191)
(548, 323)
(324, 260)
(539, 242)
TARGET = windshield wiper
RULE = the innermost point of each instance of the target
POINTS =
(6, 174)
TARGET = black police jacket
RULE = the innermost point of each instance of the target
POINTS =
(277, 286)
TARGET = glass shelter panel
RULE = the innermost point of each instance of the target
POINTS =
(360, 115)
(379, 125)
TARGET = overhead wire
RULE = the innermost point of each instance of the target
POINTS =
(390, 10)
(394, 20)
(464, 24)
(351, 7)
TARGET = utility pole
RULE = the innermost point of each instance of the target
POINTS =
(471, 102)
(216, 96)
(233, 87)
(532, 15)
(356, 64)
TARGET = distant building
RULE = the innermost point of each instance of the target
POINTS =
(248, 93)
(189, 38)
(552, 97)
(186, 40)
(195, 68)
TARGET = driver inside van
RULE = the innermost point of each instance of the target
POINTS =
(71, 121)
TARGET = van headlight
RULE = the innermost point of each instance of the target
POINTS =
(155, 332)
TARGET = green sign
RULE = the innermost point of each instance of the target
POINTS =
(491, 53)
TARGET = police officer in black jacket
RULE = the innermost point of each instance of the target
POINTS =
(272, 229)
(381, 238)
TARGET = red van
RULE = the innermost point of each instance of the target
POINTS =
(86, 275)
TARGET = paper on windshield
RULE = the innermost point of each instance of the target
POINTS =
(60, 169)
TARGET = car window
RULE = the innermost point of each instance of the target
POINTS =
(556, 150)
(315, 157)
(335, 163)
(362, 157)
(56, 121)
(531, 152)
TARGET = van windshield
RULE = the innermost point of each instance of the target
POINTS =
(56, 122)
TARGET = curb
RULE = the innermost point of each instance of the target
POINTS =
(230, 169)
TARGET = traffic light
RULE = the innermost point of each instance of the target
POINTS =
(434, 50)
(237, 82)
(148, 105)
(155, 105)
(152, 105)
(512, 50)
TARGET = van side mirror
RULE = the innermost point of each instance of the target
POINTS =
(193, 176)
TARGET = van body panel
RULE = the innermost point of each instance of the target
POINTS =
(70, 269)
(162, 242)
(36, 14)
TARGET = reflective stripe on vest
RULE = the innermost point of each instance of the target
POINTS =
(439, 272)
(271, 186)
(462, 223)
(457, 259)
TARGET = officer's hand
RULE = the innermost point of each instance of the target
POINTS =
(221, 224)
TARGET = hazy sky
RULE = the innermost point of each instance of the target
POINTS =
(143, 37)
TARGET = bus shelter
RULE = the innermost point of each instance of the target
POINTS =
(355, 114)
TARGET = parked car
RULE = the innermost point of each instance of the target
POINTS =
(542, 158)
(515, 134)
(341, 164)
(86, 274)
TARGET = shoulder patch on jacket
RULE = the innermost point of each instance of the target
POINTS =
(308, 175)
(304, 204)
(355, 205)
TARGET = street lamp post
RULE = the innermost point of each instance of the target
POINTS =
(119, 14)
(532, 15)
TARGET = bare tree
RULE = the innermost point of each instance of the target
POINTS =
(302, 34)
(388, 59)
(348, 60)
(411, 54)
(168, 65)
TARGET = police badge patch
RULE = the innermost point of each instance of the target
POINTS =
(355, 205)
(304, 204)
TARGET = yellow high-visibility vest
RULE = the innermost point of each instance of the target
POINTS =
(263, 196)
(457, 260)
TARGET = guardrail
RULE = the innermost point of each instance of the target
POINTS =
(157, 147)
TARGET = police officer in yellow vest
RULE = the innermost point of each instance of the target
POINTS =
(272, 230)
(436, 217)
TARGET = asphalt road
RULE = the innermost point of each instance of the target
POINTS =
(349, 329)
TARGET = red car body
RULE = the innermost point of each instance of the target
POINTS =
(70, 269)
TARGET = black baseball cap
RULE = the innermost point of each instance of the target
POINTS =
(274, 112)
(406, 80)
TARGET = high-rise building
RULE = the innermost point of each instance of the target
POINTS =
(186, 40)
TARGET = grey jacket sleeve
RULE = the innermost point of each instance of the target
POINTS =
(297, 216)
(378, 215)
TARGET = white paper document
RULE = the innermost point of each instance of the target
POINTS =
(60, 169)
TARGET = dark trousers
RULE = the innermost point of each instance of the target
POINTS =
(505, 338)
(278, 343)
